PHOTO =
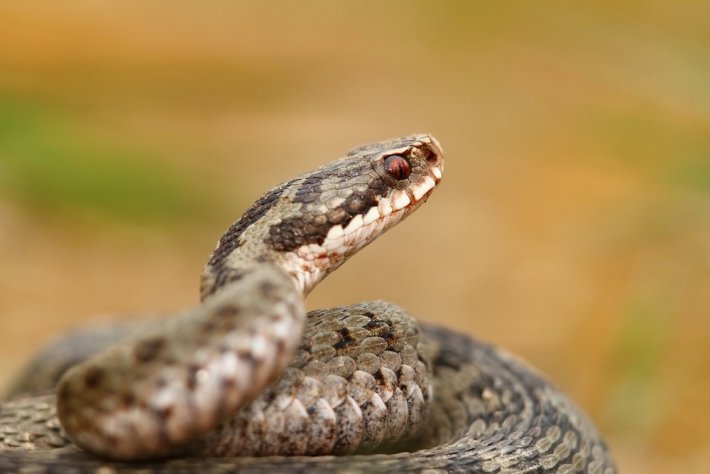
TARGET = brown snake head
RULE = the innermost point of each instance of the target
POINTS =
(311, 224)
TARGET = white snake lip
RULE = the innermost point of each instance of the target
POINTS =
(420, 191)
(426, 187)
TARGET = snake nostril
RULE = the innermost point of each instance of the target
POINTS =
(431, 157)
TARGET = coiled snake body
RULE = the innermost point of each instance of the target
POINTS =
(248, 382)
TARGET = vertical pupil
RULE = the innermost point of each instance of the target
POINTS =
(397, 167)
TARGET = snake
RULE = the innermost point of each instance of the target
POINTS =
(247, 381)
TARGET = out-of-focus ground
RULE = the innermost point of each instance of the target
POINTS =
(573, 225)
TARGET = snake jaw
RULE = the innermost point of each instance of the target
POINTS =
(311, 263)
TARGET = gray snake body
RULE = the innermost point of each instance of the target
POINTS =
(199, 389)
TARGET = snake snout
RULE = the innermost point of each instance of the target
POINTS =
(434, 157)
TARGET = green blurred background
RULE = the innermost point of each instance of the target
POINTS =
(572, 227)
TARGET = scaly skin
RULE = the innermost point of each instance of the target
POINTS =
(187, 387)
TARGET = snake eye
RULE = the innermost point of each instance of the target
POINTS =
(397, 167)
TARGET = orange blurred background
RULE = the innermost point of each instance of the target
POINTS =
(572, 227)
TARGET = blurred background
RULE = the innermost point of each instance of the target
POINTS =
(572, 226)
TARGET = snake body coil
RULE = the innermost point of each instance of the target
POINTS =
(248, 373)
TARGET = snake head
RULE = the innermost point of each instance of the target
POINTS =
(349, 203)
(311, 224)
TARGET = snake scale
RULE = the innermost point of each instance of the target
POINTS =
(248, 382)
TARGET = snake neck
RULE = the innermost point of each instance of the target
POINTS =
(239, 267)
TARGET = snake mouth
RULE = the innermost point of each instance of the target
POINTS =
(316, 260)
(389, 210)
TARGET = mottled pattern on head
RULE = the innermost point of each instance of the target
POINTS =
(311, 224)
